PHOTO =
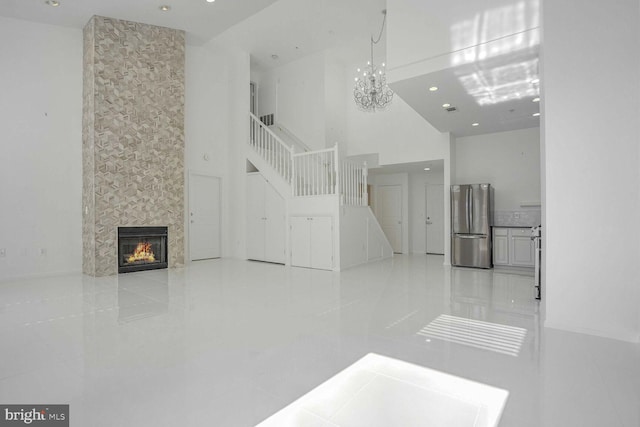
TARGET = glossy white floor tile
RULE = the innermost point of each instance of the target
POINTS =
(231, 342)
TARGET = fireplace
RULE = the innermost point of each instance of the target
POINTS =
(142, 248)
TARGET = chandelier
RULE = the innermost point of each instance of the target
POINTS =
(371, 92)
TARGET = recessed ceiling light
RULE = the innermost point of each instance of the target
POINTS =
(536, 114)
(475, 124)
(433, 88)
(446, 105)
(427, 169)
(210, 1)
(535, 100)
(53, 3)
(165, 8)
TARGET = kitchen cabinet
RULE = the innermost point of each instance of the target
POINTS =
(312, 242)
(500, 246)
(521, 247)
(513, 247)
(266, 221)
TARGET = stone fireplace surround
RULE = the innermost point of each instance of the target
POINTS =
(132, 138)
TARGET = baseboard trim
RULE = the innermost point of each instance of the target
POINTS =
(40, 275)
(630, 337)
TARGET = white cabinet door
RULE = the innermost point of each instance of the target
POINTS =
(275, 224)
(300, 241)
(321, 242)
(500, 246)
(312, 242)
(513, 247)
(266, 222)
(521, 248)
(255, 216)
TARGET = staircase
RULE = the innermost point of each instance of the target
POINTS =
(319, 186)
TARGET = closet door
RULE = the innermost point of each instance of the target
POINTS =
(255, 216)
(321, 239)
(274, 209)
(300, 241)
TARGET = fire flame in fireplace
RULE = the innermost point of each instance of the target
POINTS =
(142, 253)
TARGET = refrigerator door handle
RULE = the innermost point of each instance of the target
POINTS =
(469, 208)
(471, 236)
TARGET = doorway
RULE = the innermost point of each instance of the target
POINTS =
(204, 216)
(434, 196)
(389, 206)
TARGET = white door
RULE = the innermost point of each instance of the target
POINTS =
(274, 236)
(389, 207)
(255, 216)
(204, 216)
(435, 218)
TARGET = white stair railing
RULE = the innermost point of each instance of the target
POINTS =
(315, 172)
(271, 148)
(289, 137)
(311, 173)
(353, 183)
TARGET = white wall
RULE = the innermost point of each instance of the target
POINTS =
(361, 237)
(206, 130)
(590, 140)
(398, 134)
(417, 207)
(509, 161)
(41, 157)
(295, 92)
(335, 107)
(216, 126)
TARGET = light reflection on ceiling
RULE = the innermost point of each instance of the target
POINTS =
(483, 36)
(480, 42)
(502, 83)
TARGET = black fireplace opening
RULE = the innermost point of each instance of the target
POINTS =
(142, 248)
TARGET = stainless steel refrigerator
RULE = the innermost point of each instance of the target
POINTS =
(470, 225)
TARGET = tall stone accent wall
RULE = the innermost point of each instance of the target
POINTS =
(133, 137)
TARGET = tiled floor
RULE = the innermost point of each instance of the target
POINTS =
(230, 342)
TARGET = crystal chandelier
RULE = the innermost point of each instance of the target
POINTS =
(371, 92)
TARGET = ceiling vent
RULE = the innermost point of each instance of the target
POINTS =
(451, 109)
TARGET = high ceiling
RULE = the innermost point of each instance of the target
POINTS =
(494, 90)
(493, 95)
(200, 19)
